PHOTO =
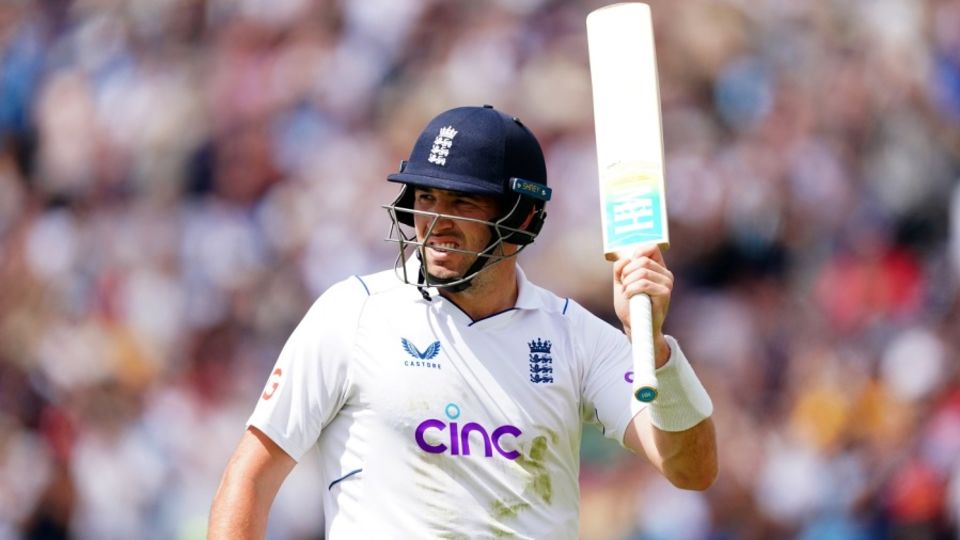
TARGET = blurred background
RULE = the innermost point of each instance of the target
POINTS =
(179, 179)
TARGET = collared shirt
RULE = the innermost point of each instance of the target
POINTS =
(430, 424)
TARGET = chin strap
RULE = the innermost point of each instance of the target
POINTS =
(421, 278)
(423, 293)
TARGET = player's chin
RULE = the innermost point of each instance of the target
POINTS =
(442, 273)
(447, 269)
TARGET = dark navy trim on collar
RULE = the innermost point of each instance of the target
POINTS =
(492, 315)
(471, 319)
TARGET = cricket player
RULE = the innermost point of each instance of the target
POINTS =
(447, 396)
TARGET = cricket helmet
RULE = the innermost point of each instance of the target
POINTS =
(481, 151)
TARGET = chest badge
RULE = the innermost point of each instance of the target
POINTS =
(541, 363)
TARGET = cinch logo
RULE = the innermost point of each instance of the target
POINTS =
(431, 436)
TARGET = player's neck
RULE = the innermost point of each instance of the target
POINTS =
(492, 291)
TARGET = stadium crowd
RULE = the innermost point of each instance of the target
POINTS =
(179, 179)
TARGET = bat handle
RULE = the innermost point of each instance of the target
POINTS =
(641, 322)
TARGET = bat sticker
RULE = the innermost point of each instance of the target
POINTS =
(632, 206)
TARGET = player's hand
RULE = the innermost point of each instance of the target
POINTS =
(644, 273)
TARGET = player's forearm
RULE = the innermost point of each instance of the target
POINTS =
(675, 431)
(688, 459)
(240, 510)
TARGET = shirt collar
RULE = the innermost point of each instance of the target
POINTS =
(527, 297)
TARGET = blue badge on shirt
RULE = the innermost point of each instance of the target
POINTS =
(541, 363)
(429, 353)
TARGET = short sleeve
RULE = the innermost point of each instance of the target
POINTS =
(607, 367)
(308, 384)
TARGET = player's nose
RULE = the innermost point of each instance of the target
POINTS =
(439, 224)
(444, 226)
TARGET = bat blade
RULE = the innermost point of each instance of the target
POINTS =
(626, 105)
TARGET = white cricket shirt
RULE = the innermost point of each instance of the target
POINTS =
(432, 425)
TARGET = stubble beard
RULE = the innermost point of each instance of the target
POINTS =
(478, 284)
(451, 274)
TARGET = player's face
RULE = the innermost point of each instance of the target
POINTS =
(442, 263)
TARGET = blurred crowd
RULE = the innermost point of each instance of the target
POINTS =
(179, 179)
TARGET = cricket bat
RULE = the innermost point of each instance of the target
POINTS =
(626, 107)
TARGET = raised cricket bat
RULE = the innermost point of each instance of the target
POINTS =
(626, 107)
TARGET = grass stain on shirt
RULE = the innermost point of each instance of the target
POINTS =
(533, 463)
(502, 510)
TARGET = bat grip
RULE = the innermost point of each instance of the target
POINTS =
(641, 323)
